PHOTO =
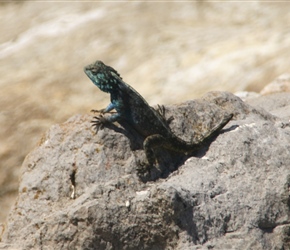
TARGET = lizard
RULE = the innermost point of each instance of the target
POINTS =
(134, 110)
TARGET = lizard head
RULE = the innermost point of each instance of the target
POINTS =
(104, 77)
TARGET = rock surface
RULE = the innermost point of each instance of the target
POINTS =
(280, 84)
(234, 194)
(169, 52)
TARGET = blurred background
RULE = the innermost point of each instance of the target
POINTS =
(168, 51)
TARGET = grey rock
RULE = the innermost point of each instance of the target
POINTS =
(280, 84)
(277, 104)
(233, 194)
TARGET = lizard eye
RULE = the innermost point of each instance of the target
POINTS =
(94, 71)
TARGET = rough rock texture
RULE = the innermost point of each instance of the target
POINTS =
(168, 51)
(234, 194)
(280, 84)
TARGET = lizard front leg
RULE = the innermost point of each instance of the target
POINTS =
(110, 107)
(100, 121)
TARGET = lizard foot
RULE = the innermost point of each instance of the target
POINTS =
(98, 122)
(146, 172)
(143, 169)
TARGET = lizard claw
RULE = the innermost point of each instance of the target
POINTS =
(98, 122)
(98, 111)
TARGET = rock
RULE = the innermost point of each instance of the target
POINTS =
(276, 103)
(43, 49)
(281, 84)
(244, 95)
(233, 194)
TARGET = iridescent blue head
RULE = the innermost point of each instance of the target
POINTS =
(104, 77)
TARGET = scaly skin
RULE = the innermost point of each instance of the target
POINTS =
(132, 109)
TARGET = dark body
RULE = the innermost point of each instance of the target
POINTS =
(132, 109)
